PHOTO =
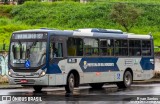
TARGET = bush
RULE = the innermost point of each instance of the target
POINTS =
(5, 10)
(62, 14)
(7, 26)
(73, 15)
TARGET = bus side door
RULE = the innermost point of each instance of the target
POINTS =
(57, 54)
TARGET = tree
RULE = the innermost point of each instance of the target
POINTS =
(20, 1)
(125, 15)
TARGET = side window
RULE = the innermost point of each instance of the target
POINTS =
(121, 47)
(103, 47)
(106, 47)
(124, 48)
(117, 47)
(91, 47)
(135, 47)
(110, 45)
(75, 47)
(56, 48)
(146, 48)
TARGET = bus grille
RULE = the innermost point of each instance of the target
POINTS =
(25, 70)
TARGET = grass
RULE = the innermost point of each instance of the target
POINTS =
(74, 15)
(132, 1)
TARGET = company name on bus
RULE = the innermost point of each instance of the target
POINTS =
(96, 64)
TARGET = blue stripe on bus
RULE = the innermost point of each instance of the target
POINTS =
(146, 64)
(98, 64)
(101, 65)
(53, 69)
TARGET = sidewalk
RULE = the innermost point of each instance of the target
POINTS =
(7, 86)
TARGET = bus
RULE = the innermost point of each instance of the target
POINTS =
(69, 58)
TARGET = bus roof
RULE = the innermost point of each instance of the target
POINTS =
(102, 33)
(100, 30)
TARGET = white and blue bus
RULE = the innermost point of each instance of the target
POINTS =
(46, 57)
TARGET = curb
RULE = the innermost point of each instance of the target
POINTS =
(150, 81)
(10, 87)
(145, 82)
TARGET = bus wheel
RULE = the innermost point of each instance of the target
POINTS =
(127, 80)
(70, 83)
(37, 88)
(96, 85)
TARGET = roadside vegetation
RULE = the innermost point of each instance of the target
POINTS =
(3, 79)
(73, 15)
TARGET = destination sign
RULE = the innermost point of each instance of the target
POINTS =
(29, 36)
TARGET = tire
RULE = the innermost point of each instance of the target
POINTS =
(37, 88)
(70, 84)
(96, 85)
(127, 80)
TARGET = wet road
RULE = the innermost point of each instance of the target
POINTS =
(109, 94)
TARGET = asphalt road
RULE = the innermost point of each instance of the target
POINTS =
(109, 94)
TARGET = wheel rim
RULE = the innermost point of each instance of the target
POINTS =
(71, 83)
(128, 79)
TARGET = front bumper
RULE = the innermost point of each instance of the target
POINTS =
(31, 81)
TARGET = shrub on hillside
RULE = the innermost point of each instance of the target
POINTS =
(5, 10)
(62, 14)
(125, 15)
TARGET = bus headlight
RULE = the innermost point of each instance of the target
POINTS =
(9, 73)
(43, 73)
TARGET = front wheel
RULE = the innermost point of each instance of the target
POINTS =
(127, 80)
(37, 88)
(70, 83)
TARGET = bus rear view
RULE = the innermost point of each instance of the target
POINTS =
(27, 59)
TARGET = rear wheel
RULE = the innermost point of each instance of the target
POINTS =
(37, 88)
(127, 80)
(96, 85)
(70, 83)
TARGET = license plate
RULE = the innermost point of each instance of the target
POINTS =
(24, 81)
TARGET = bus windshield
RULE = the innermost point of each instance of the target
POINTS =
(32, 51)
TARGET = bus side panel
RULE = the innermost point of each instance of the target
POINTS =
(142, 67)
(55, 74)
(106, 69)
(57, 79)
(63, 67)
(100, 69)
(98, 77)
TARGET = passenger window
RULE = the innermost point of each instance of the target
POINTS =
(135, 47)
(106, 47)
(91, 47)
(75, 47)
(121, 47)
(146, 48)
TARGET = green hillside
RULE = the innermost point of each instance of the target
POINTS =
(73, 15)
(130, 1)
